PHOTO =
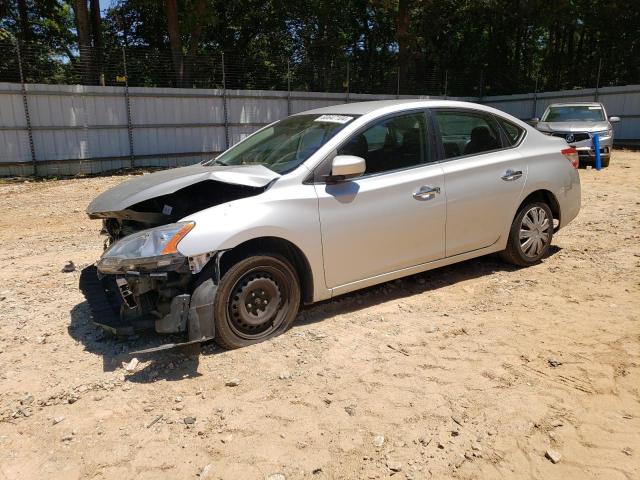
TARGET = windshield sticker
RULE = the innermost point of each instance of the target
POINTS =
(333, 118)
(594, 108)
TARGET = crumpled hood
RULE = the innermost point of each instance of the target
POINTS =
(573, 126)
(169, 181)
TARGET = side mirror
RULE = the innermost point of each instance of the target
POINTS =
(614, 119)
(346, 167)
(534, 120)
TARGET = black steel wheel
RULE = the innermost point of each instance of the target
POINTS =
(257, 298)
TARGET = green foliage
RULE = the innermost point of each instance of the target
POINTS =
(482, 47)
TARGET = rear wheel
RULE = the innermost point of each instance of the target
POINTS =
(530, 235)
(257, 298)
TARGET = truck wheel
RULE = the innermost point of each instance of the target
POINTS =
(257, 298)
(530, 235)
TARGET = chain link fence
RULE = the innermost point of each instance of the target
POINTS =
(141, 66)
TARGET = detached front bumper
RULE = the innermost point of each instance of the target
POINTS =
(107, 305)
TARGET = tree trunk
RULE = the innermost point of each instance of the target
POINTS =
(84, 40)
(402, 37)
(25, 29)
(96, 32)
(194, 41)
(173, 26)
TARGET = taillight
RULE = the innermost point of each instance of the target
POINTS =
(571, 154)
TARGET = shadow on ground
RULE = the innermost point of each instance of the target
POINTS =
(408, 286)
(170, 365)
(180, 363)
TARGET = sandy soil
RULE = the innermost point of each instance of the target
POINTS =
(470, 371)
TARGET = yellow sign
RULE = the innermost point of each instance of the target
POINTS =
(121, 78)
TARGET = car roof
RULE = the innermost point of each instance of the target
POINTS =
(576, 104)
(363, 108)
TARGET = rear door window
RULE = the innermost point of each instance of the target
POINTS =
(467, 133)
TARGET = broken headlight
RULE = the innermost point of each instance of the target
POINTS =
(153, 248)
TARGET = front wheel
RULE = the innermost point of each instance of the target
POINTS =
(257, 298)
(530, 235)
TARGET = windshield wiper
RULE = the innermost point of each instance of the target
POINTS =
(215, 162)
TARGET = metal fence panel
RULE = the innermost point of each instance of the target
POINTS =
(11, 108)
(75, 106)
(301, 101)
(89, 129)
(79, 143)
(14, 137)
(256, 106)
(15, 146)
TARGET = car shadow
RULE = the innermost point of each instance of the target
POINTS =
(406, 287)
(182, 362)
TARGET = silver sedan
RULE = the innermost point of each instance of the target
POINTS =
(578, 124)
(323, 203)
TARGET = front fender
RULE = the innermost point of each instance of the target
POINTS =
(289, 213)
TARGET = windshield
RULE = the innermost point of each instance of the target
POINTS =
(574, 113)
(285, 144)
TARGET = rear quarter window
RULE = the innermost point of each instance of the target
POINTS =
(513, 132)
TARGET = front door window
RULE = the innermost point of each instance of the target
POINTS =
(391, 144)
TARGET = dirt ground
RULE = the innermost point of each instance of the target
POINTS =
(469, 371)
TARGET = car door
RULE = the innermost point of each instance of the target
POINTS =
(393, 217)
(484, 174)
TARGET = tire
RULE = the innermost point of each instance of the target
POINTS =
(605, 161)
(257, 298)
(518, 252)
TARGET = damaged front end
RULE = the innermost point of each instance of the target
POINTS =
(142, 281)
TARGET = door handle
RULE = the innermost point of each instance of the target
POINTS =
(511, 175)
(426, 192)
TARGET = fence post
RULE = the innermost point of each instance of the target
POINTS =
(535, 99)
(224, 105)
(446, 83)
(127, 100)
(25, 103)
(288, 88)
(348, 81)
(595, 96)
